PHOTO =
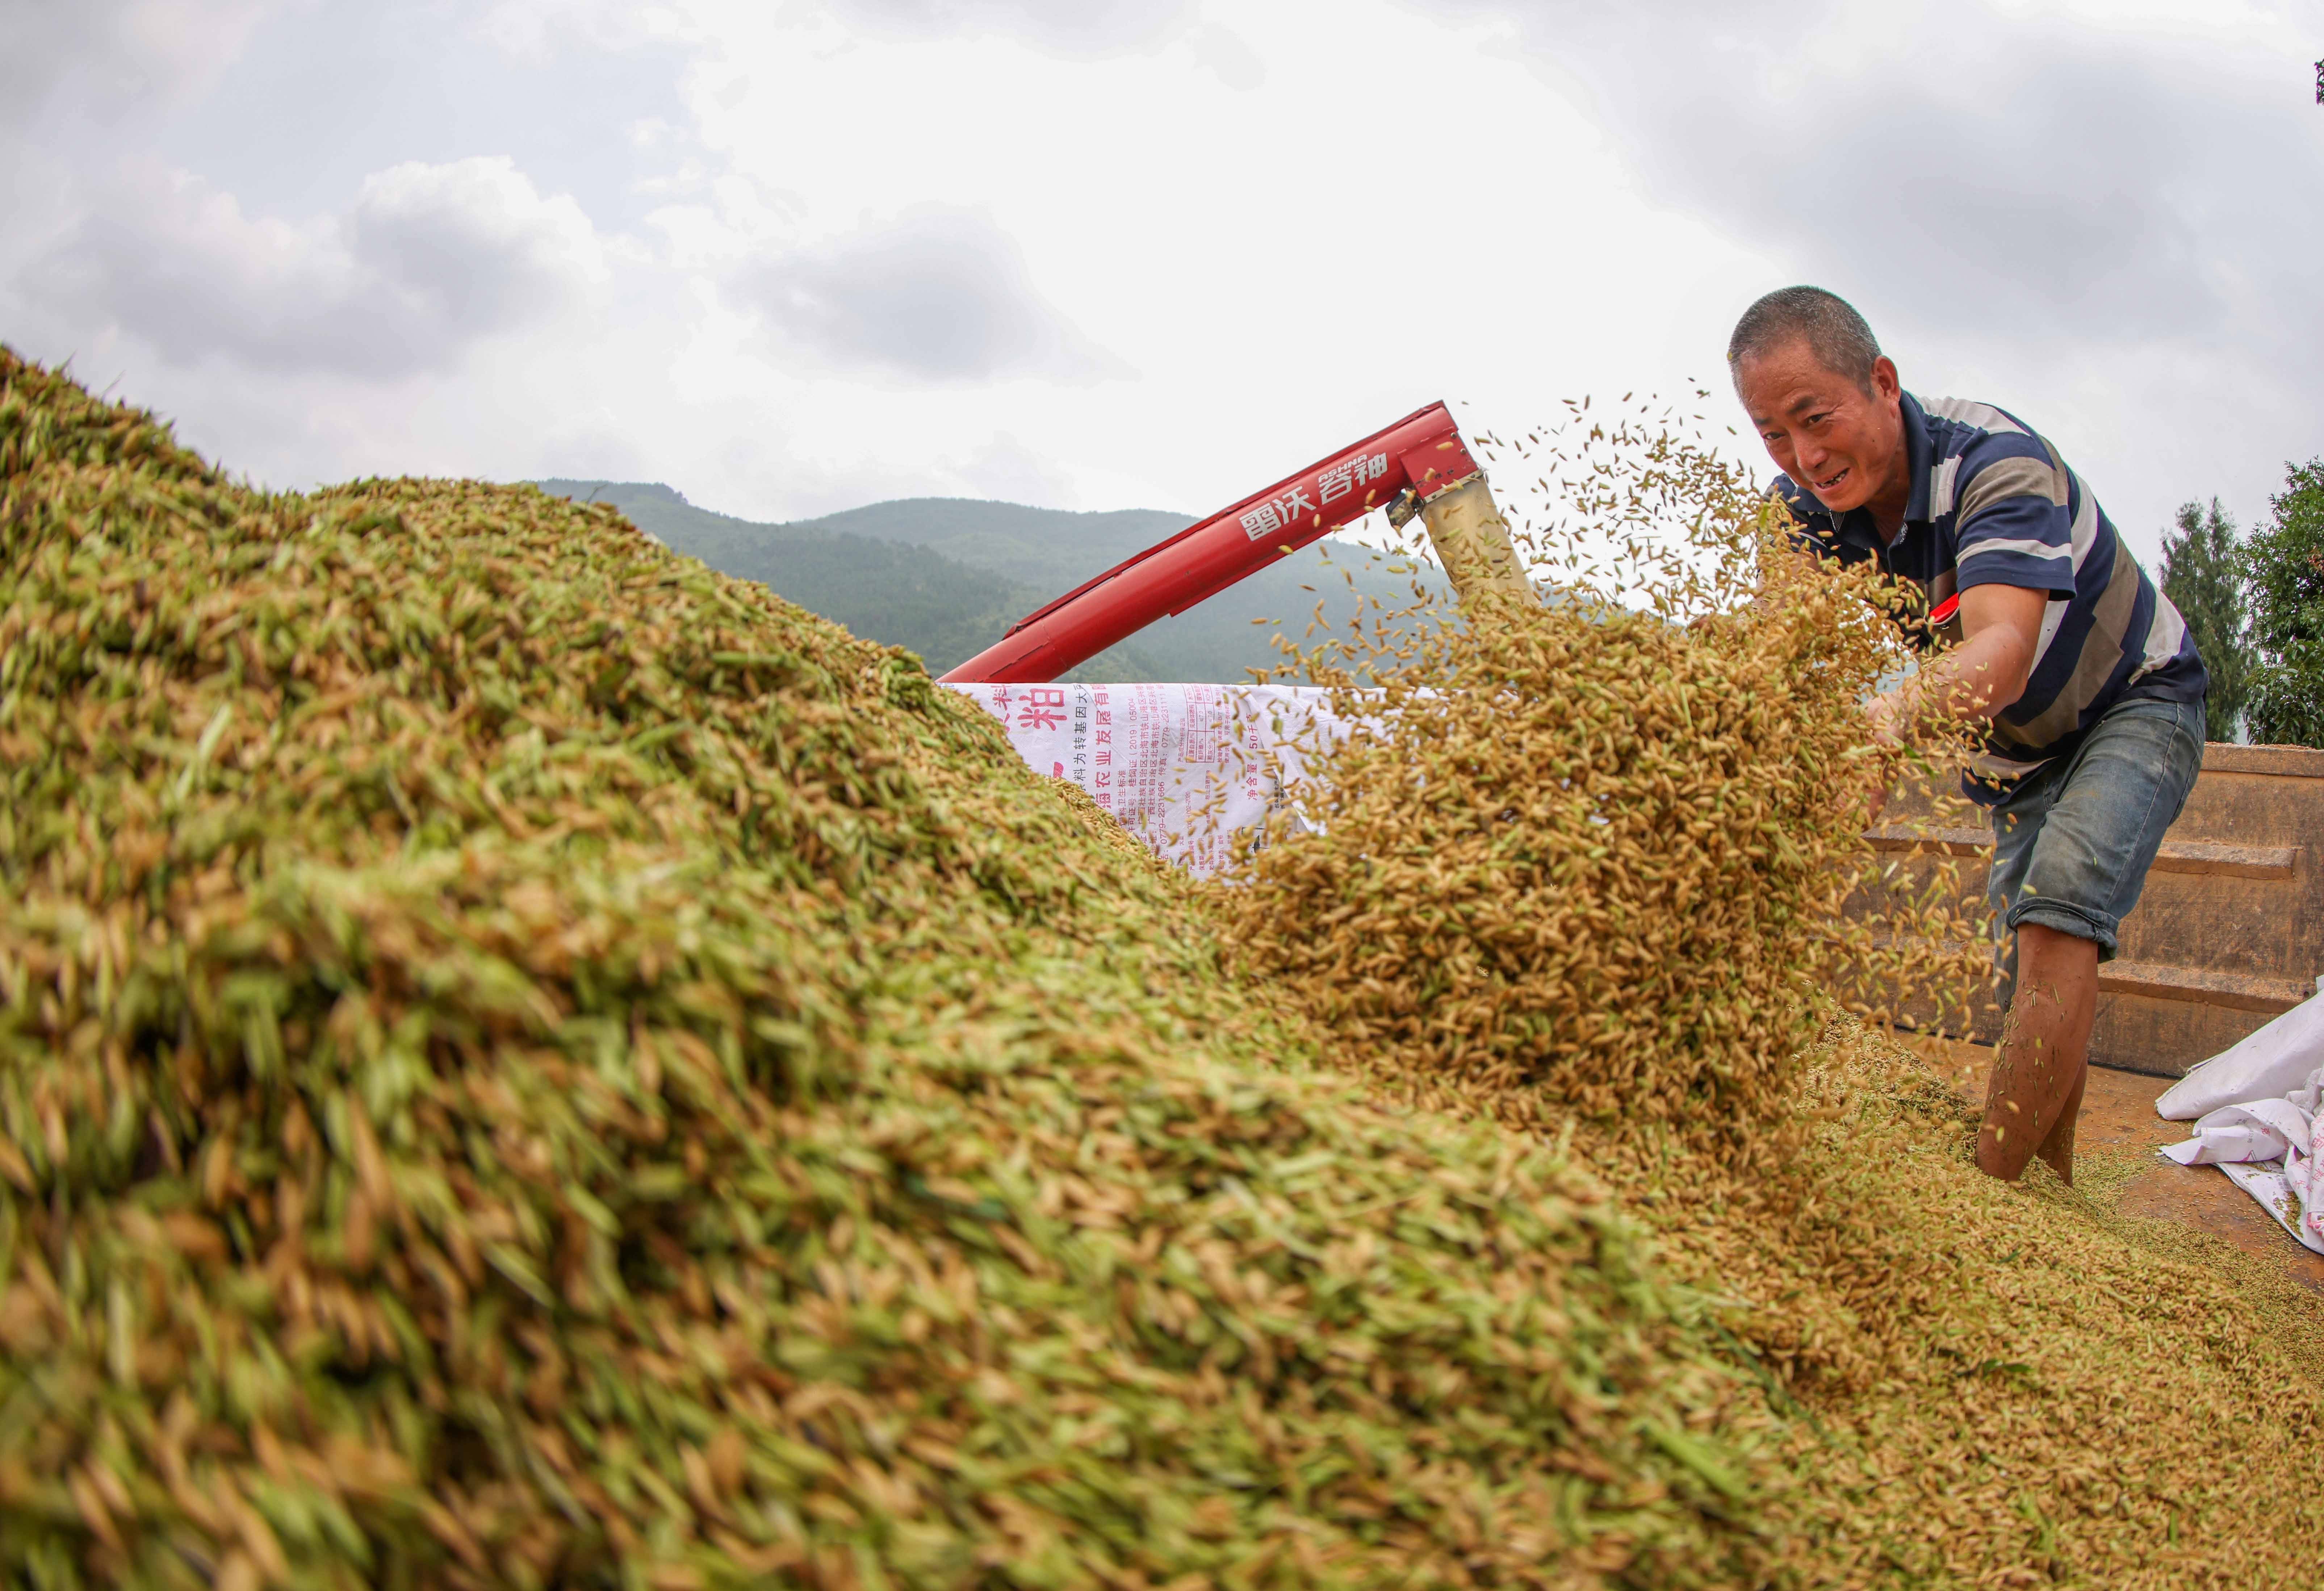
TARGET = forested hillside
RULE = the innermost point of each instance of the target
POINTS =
(946, 576)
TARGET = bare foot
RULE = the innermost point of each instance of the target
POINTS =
(2057, 1149)
(2035, 1089)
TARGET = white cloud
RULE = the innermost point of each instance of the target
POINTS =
(820, 254)
(537, 30)
(938, 294)
(1067, 27)
(112, 51)
(426, 262)
(1227, 57)
(2100, 215)
(2075, 181)
(1004, 469)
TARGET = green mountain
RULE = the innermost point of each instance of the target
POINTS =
(884, 590)
(1043, 547)
(946, 576)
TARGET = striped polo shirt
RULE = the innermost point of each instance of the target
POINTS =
(1993, 503)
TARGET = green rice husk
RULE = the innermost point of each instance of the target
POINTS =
(1592, 869)
(525, 1062)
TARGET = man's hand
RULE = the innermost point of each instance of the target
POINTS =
(1880, 712)
(2001, 628)
(1880, 719)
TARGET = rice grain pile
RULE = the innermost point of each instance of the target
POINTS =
(1589, 859)
(2066, 1395)
(523, 1061)
(1580, 868)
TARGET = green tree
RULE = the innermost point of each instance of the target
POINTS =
(2286, 562)
(2203, 576)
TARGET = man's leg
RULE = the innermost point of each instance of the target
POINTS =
(2035, 1092)
(2070, 856)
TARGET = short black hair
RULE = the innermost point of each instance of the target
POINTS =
(1834, 332)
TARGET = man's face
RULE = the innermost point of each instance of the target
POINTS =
(1840, 442)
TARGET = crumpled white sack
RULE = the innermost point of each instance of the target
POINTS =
(2312, 1097)
(2266, 1065)
(2258, 1130)
(2265, 1181)
(2273, 1149)
(2302, 1174)
(2229, 1146)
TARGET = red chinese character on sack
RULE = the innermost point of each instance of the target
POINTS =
(1044, 709)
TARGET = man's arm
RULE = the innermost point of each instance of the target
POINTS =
(2001, 626)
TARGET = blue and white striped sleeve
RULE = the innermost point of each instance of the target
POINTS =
(2014, 525)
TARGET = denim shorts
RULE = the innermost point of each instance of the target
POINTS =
(2072, 842)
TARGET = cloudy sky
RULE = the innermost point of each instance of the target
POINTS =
(790, 257)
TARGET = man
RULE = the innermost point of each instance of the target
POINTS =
(2086, 680)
